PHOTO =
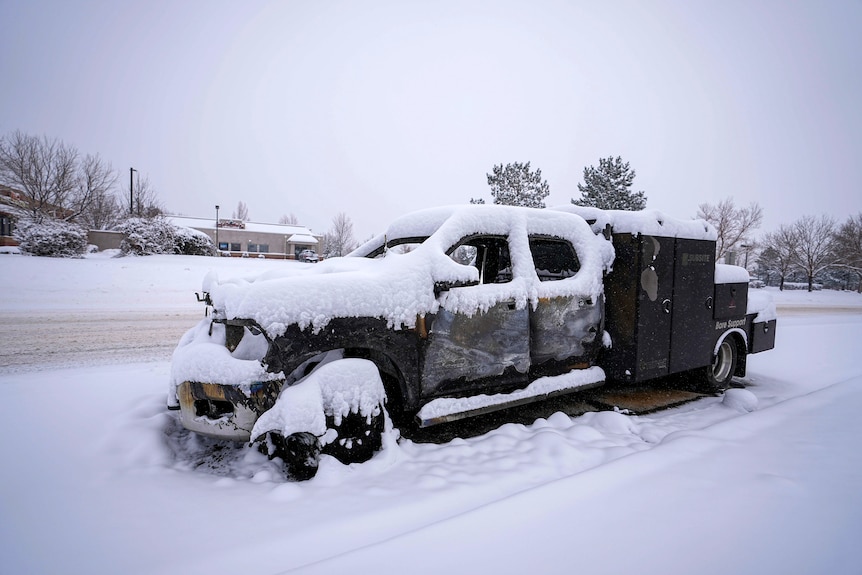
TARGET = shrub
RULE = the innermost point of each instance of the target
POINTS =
(193, 243)
(52, 238)
(146, 236)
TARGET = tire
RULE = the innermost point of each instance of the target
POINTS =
(358, 439)
(300, 453)
(717, 376)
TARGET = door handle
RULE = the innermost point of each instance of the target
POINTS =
(666, 305)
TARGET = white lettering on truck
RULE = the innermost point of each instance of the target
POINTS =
(729, 324)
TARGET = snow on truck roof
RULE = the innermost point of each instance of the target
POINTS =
(645, 222)
(423, 223)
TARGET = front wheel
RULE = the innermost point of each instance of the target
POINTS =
(718, 375)
(359, 437)
(300, 452)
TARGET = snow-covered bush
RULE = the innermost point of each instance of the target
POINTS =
(51, 238)
(146, 236)
(193, 243)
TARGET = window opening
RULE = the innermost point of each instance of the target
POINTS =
(554, 259)
(489, 255)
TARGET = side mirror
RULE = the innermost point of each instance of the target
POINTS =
(440, 287)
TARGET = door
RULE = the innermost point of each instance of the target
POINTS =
(692, 336)
(655, 306)
(477, 350)
(564, 330)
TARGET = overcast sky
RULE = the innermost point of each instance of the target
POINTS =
(377, 108)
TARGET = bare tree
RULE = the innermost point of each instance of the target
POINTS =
(103, 213)
(146, 203)
(734, 225)
(46, 172)
(848, 246)
(339, 239)
(288, 219)
(779, 252)
(816, 247)
(241, 212)
(96, 182)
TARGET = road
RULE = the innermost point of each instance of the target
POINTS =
(34, 341)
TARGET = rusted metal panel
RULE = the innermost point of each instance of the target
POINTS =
(563, 328)
(465, 348)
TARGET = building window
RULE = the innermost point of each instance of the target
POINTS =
(234, 247)
(5, 226)
(258, 248)
(223, 246)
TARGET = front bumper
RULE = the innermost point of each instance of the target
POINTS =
(224, 411)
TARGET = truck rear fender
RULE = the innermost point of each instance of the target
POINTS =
(740, 340)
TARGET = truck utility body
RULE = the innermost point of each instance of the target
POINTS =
(461, 311)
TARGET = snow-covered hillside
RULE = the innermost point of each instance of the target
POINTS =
(97, 477)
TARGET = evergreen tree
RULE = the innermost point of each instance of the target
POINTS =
(516, 185)
(608, 187)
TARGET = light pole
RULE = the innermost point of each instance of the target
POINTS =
(218, 250)
(746, 247)
(131, 188)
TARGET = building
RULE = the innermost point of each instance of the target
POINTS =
(239, 238)
(13, 205)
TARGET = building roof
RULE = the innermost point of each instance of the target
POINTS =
(283, 229)
(302, 239)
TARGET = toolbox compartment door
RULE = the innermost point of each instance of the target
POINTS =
(762, 336)
(692, 337)
(731, 300)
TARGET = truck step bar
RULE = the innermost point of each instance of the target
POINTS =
(446, 409)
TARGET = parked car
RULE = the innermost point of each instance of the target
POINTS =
(308, 256)
(456, 312)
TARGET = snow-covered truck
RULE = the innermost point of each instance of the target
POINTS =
(455, 312)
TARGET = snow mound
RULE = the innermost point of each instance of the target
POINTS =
(612, 422)
(741, 400)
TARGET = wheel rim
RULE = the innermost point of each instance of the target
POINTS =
(723, 362)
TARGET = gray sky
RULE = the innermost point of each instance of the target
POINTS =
(376, 108)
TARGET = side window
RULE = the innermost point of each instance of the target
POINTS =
(489, 255)
(554, 259)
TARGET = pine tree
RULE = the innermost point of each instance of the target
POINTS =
(517, 185)
(608, 187)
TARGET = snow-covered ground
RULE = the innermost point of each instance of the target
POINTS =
(97, 477)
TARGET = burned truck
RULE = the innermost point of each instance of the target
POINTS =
(455, 312)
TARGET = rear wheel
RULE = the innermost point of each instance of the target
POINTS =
(718, 375)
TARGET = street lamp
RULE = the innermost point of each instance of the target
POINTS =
(217, 246)
(131, 188)
(746, 247)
